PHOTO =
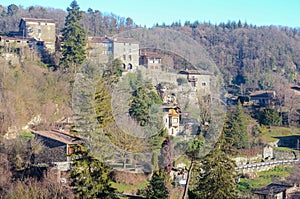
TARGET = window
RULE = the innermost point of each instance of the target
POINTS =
(124, 57)
(106, 52)
(203, 83)
(129, 57)
(39, 30)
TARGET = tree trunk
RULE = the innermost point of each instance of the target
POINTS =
(186, 188)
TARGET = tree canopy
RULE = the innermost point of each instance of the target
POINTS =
(73, 48)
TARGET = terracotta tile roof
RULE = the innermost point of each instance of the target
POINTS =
(60, 136)
(150, 54)
(38, 20)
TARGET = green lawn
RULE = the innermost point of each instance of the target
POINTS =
(265, 178)
(125, 188)
(275, 131)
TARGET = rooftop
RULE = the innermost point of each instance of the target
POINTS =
(272, 189)
(60, 136)
(38, 20)
(263, 93)
(195, 72)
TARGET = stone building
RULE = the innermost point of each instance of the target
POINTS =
(150, 60)
(278, 191)
(199, 80)
(42, 30)
(57, 146)
(171, 119)
(104, 49)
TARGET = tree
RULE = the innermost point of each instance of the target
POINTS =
(142, 99)
(236, 127)
(269, 117)
(215, 176)
(90, 176)
(103, 104)
(12, 9)
(157, 188)
(74, 39)
(193, 153)
(166, 158)
(114, 72)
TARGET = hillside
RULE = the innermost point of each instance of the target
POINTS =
(245, 53)
(30, 90)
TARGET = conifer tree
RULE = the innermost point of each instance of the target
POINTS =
(74, 40)
(236, 127)
(90, 176)
(214, 177)
(157, 188)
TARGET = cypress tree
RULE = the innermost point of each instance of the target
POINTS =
(73, 48)
(236, 127)
(214, 177)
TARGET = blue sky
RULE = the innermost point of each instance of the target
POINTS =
(149, 12)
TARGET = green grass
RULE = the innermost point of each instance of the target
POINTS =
(276, 131)
(125, 188)
(265, 178)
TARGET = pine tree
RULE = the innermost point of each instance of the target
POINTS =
(90, 176)
(214, 177)
(74, 40)
(157, 188)
(236, 127)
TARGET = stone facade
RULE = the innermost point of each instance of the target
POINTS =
(57, 146)
(127, 50)
(104, 49)
(42, 30)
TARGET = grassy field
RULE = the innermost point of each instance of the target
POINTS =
(265, 178)
(125, 188)
(274, 132)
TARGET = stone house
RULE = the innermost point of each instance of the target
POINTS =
(150, 60)
(57, 146)
(104, 49)
(42, 30)
(263, 98)
(199, 80)
(277, 191)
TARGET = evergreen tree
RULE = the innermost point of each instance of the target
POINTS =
(114, 72)
(157, 188)
(142, 99)
(103, 104)
(166, 158)
(74, 40)
(269, 117)
(236, 127)
(214, 178)
(90, 176)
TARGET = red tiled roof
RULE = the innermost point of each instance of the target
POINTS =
(150, 54)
